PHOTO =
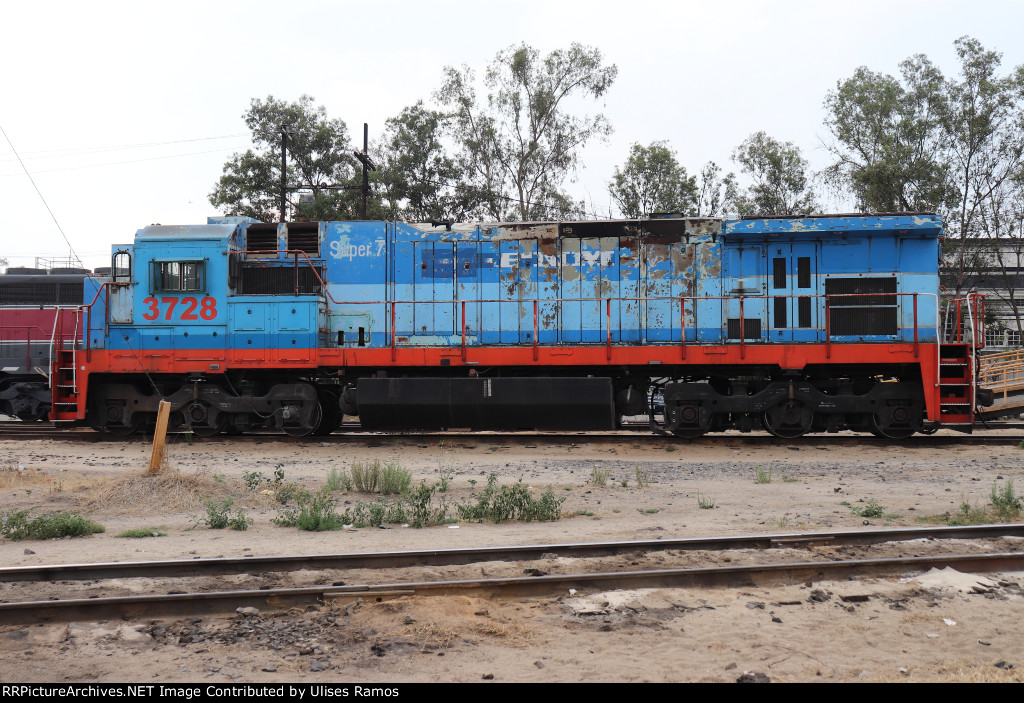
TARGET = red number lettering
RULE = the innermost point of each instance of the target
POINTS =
(208, 311)
(170, 303)
(154, 311)
(190, 304)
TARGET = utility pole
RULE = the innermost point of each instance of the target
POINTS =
(364, 159)
(284, 168)
(368, 165)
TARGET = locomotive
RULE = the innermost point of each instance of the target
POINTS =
(29, 299)
(791, 324)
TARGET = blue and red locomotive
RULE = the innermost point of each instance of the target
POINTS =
(795, 325)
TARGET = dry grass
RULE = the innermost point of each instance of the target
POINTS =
(512, 632)
(957, 671)
(430, 633)
(169, 491)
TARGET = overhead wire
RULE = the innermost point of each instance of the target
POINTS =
(118, 163)
(40, 193)
(54, 153)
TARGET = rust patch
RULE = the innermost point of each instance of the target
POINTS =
(703, 227)
(682, 257)
(511, 231)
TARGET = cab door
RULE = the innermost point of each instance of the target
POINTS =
(794, 296)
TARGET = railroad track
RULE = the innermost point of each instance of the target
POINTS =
(592, 567)
(350, 433)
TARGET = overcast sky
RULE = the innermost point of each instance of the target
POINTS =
(124, 113)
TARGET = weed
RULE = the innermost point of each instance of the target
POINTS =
(871, 508)
(762, 476)
(140, 532)
(290, 491)
(643, 478)
(790, 479)
(585, 513)
(783, 521)
(366, 477)
(598, 477)
(472, 482)
(703, 502)
(616, 510)
(445, 480)
(511, 503)
(17, 526)
(240, 521)
(278, 474)
(252, 479)
(219, 478)
(1005, 501)
(671, 448)
(969, 516)
(394, 480)
(314, 512)
(377, 511)
(651, 511)
(218, 513)
(421, 508)
(339, 480)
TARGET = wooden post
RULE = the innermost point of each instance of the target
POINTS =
(162, 415)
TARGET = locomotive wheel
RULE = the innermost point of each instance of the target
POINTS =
(305, 430)
(891, 432)
(330, 418)
(788, 420)
(32, 416)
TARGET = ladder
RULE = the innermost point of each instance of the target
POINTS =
(63, 370)
(962, 337)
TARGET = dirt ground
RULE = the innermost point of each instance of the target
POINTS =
(934, 627)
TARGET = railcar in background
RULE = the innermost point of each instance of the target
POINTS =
(29, 299)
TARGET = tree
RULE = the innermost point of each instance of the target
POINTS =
(319, 155)
(420, 182)
(930, 143)
(523, 139)
(887, 142)
(652, 180)
(983, 124)
(714, 191)
(780, 179)
(1000, 220)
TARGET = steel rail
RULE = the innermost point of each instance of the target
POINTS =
(472, 555)
(634, 433)
(226, 602)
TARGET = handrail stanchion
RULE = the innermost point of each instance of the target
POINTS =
(743, 331)
(535, 351)
(682, 326)
(828, 330)
(463, 330)
(394, 333)
(608, 344)
(916, 347)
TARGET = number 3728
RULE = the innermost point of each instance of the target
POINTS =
(188, 308)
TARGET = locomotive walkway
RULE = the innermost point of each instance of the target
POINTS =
(1003, 374)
